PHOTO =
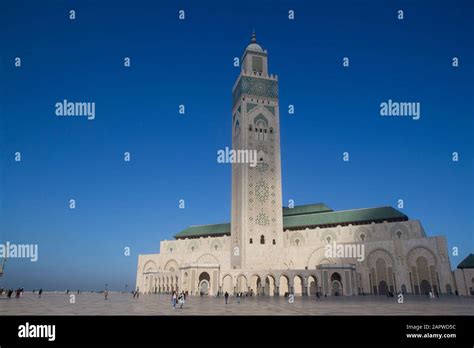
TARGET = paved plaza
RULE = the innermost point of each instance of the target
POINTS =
(125, 304)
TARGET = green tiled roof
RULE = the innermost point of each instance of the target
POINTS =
(204, 230)
(468, 262)
(343, 217)
(306, 209)
(306, 216)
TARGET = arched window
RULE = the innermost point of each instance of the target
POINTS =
(251, 241)
(274, 242)
(399, 234)
(297, 242)
(362, 237)
(262, 239)
(328, 239)
(261, 124)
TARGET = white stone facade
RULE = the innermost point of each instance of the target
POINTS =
(398, 254)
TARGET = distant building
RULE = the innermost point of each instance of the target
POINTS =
(464, 276)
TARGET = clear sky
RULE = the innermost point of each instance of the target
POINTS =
(173, 157)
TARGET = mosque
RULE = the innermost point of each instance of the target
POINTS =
(268, 249)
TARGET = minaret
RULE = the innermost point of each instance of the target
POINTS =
(256, 221)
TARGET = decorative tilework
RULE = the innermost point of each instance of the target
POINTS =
(250, 106)
(271, 109)
(255, 86)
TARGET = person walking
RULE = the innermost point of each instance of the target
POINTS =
(239, 295)
(106, 294)
(181, 299)
(173, 299)
(226, 295)
(40, 292)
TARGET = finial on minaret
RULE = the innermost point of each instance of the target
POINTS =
(254, 37)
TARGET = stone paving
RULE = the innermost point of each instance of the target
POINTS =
(125, 304)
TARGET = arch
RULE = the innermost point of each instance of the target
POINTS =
(380, 253)
(326, 234)
(269, 285)
(207, 259)
(256, 284)
(404, 289)
(171, 265)
(298, 285)
(423, 273)
(242, 283)
(204, 287)
(260, 110)
(216, 246)
(312, 285)
(204, 276)
(227, 284)
(260, 119)
(193, 246)
(171, 247)
(150, 266)
(399, 231)
(284, 285)
(204, 283)
(362, 234)
(336, 276)
(421, 250)
(336, 288)
(315, 257)
(336, 284)
(297, 239)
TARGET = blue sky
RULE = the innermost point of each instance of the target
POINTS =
(189, 62)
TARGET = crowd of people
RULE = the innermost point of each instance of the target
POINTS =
(9, 292)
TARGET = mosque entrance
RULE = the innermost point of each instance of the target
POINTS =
(336, 282)
(204, 287)
(204, 283)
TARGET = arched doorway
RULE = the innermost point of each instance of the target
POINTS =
(284, 285)
(425, 287)
(269, 285)
(204, 283)
(227, 284)
(336, 284)
(383, 288)
(312, 285)
(298, 285)
(256, 284)
(242, 284)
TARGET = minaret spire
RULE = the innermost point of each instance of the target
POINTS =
(254, 37)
